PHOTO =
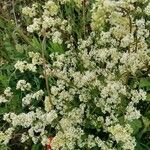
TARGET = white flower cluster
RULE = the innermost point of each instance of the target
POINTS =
(37, 95)
(6, 136)
(78, 3)
(147, 9)
(36, 58)
(23, 65)
(35, 26)
(20, 65)
(23, 85)
(47, 104)
(70, 134)
(132, 113)
(134, 61)
(34, 121)
(136, 96)
(5, 97)
(27, 100)
(49, 23)
(31, 12)
(88, 85)
(8, 92)
(123, 134)
(50, 8)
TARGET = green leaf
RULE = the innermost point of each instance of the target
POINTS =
(95, 148)
(136, 125)
(4, 80)
(2, 24)
(144, 82)
(146, 122)
(55, 47)
(35, 147)
(148, 97)
(141, 146)
(36, 43)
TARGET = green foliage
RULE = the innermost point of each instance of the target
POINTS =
(15, 43)
(136, 125)
(145, 83)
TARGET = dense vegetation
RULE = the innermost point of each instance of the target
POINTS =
(75, 74)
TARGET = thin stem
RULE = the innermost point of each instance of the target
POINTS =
(11, 76)
(14, 14)
(44, 65)
(84, 23)
(130, 26)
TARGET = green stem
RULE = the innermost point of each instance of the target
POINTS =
(44, 65)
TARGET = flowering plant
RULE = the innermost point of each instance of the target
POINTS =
(87, 84)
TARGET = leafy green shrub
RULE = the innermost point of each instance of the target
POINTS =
(82, 79)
